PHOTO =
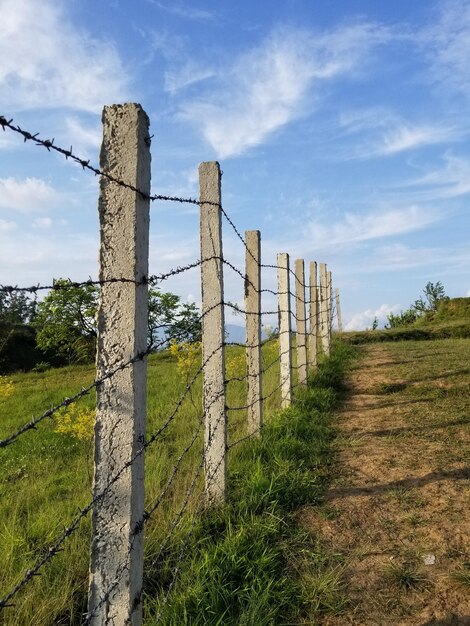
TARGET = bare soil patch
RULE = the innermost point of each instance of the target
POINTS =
(397, 511)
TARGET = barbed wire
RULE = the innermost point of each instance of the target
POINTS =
(49, 145)
(189, 534)
(54, 549)
(190, 491)
(154, 279)
(139, 525)
(138, 528)
(263, 398)
(32, 425)
(150, 280)
(65, 284)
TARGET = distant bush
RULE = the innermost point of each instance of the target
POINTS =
(404, 318)
(18, 350)
(421, 309)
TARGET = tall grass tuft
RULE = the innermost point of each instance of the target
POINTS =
(241, 561)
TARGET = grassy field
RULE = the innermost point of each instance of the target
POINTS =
(277, 552)
(397, 509)
(46, 478)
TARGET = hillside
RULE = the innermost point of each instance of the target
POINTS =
(452, 319)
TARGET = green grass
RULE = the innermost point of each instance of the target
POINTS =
(248, 562)
(462, 575)
(451, 320)
(46, 478)
(406, 575)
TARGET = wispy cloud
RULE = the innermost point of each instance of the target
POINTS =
(86, 138)
(27, 195)
(43, 222)
(398, 257)
(182, 71)
(450, 181)
(375, 225)
(274, 84)
(39, 256)
(382, 132)
(447, 45)
(6, 226)
(178, 78)
(45, 61)
(186, 11)
(408, 138)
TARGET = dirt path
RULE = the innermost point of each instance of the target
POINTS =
(398, 507)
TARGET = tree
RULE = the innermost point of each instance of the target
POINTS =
(433, 294)
(17, 308)
(172, 319)
(66, 322)
(17, 338)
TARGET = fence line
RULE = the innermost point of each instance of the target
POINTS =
(116, 580)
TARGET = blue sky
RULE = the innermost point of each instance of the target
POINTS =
(341, 127)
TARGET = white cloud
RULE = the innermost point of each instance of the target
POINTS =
(408, 138)
(43, 222)
(398, 257)
(46, 62)
(177, 79)
(365, 319)
(7, 227)
(359, 227)
(269, 86)
(447, 43)
(85, 138)
(358, 120)
(382, 132)
(40, 256)
(181, 9)
(450, 181)
(26, 196)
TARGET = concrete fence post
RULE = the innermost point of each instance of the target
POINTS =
(253, 330)
(213, 330)
(301, 324)
(330, 305)
(338, 312)
(313, 315)
(116, 567)
(285, 339)
(323, 290)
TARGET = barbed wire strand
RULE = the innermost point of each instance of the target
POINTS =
(184, 547)
(53, 550)
(139, 525)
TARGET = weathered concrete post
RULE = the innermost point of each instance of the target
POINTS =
(338, 312)
(213, 351)
(117, 552)
(301, 323)
(285, 339)
(253, 330)
(314, 326)
(323, 289)
(330, 305)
